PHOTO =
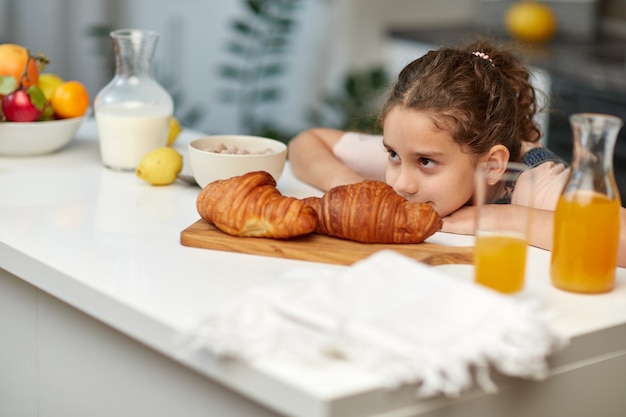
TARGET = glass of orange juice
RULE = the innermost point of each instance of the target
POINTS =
(500, 244)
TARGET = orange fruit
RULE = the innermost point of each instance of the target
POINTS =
(13, 60)
(70, 99)
(531, 21)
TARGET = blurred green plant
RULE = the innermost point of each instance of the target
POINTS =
(357, 104)
(261, 38)
(259, 48)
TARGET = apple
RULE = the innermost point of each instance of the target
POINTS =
(23, 105)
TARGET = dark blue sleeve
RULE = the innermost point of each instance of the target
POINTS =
(537, 156)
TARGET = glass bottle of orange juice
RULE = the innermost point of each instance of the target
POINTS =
(586, 222)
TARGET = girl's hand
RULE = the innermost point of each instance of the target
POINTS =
(495, 216)
(461, 221)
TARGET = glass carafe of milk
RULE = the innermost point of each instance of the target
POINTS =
(133, 110)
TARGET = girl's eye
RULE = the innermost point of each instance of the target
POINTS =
(427, 163)
(393, 155)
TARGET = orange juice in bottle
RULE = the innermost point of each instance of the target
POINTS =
(587, 216)
(586, 236)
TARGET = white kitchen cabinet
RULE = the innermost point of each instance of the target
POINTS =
(56, 361)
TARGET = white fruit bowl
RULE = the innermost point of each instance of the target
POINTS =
(263, 154)
(36, 138)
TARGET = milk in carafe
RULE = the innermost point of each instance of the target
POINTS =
(132, 111)
(131, 131)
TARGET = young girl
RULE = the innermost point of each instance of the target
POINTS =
(448, 111)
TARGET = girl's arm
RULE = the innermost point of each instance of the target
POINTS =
(542, 226)
(463, 222)
(312, 159)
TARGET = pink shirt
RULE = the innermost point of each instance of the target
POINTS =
(550, 178)
(366, 155)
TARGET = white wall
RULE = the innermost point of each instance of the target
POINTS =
(4, 21)
(366, 23)
(335, 36)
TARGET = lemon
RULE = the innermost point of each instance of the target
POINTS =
(48, 83)
(174, 131)
(160, 166)
(531, 21)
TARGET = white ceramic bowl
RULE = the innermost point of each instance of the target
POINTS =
(264, 154)
(36, 138)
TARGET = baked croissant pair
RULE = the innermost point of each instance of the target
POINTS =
(369, 211)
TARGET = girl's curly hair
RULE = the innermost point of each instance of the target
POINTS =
(479, 92)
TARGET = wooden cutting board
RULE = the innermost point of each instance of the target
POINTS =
(318, 248)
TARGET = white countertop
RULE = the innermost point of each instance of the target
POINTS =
(108, 244)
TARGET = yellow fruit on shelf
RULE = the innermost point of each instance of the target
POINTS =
(48, 83)
(173, 131)
(160, 166)
(531, 21)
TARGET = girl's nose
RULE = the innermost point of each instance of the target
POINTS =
(406, 183)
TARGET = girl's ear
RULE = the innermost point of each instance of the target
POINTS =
(498, 154)
(496, 160)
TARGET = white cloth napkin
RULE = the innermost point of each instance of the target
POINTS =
(390, 315)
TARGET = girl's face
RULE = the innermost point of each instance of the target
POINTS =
(425, 164)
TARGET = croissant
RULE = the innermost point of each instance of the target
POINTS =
(372, 212)
(251, 205)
